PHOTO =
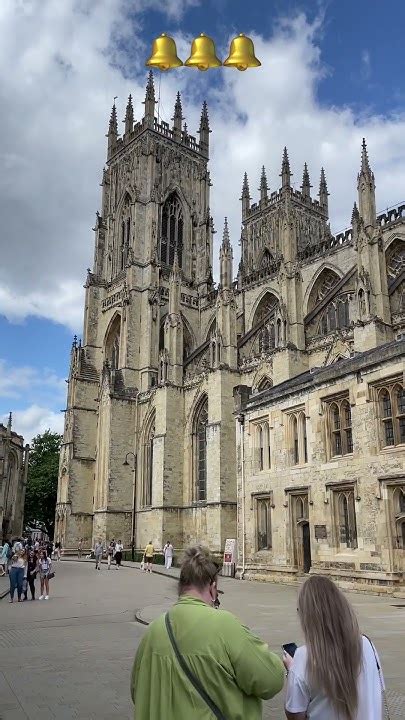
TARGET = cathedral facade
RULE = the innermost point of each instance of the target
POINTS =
(163, 385)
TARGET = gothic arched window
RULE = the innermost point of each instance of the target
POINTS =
(321, 287)
(125, 233)
(112, 343)
(265, 306)
(335, 316)
(396, 258)
(200, 451)
(147, 462)
(171, 237)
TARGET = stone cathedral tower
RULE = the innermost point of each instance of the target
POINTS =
(167, 356)
(148, 301)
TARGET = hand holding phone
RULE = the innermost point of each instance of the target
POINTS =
(290, 649)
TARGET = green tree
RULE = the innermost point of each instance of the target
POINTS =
(42, 484)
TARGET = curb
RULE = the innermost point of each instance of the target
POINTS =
(139, 619)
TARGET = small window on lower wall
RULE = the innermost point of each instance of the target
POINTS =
(263, 522)
(345, 518)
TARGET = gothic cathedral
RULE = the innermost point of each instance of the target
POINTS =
(150, 449)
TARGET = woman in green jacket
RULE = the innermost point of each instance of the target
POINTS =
(210, 652)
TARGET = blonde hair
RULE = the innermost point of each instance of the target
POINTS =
(334, 643)
(198, 569)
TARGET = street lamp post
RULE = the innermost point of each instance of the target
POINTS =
(126, 463)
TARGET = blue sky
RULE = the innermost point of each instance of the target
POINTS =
(332, 72)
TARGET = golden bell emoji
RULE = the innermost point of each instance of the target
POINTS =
(203, 54)
(242, 54)
(164, 53)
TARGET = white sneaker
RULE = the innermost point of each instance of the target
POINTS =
(41, 598)
(46, 597)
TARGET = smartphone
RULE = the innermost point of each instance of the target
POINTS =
(290, 649)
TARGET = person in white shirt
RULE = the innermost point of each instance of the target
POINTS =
(336, 675)
(168, 551)
(118, 554)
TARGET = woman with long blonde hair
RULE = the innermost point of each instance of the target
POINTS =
(335, 675)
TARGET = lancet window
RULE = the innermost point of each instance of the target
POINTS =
(172, 229)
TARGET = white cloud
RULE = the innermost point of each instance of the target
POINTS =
(34, 420)
(60, 66)
(27, 382)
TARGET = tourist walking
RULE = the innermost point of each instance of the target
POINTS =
(32, 570)
(110, 553)
(148, 554)
(58, 550)
(336, 674)
(168, 552)
(80, 548)
(118, 553)
(195, 659)
(98, 553)
(16, 574)
(5, 557)
(45, 570)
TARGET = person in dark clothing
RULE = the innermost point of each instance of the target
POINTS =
(31, 574)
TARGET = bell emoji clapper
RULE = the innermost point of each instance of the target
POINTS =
(242, 54)
(164, 53)
(203, 55)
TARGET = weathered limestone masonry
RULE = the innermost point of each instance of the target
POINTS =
(165, 353)
(13, 481)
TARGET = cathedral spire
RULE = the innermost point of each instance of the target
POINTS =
(9, 423)
(306, 185)
(263, 185)
(177, 118)
(366, 189)
(150, 100)
(129, 116)
(112, 134)
(226, 259)
(365, 165)
(245, 196)
(323, 192)
(204, 129)
(285, 170)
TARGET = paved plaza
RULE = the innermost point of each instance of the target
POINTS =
(70, 657)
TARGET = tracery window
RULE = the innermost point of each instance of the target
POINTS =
(171, 239)
(147, 475)
(265, 306)
(396, 258)
(391, 414)
(297, 437)
(263, 523)
(200, 451)
(335, 316)
(262, 445)
(322, 286)
(338, 418)
(345, 518)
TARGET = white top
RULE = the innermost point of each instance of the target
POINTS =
(119, 547)
(168, 550)
(301, 697)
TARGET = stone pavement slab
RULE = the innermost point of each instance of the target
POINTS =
(71, 657)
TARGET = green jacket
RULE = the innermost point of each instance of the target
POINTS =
(235, 668)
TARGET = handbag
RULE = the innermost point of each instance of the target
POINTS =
(189, 673)
(51, 575)
(383, 693)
